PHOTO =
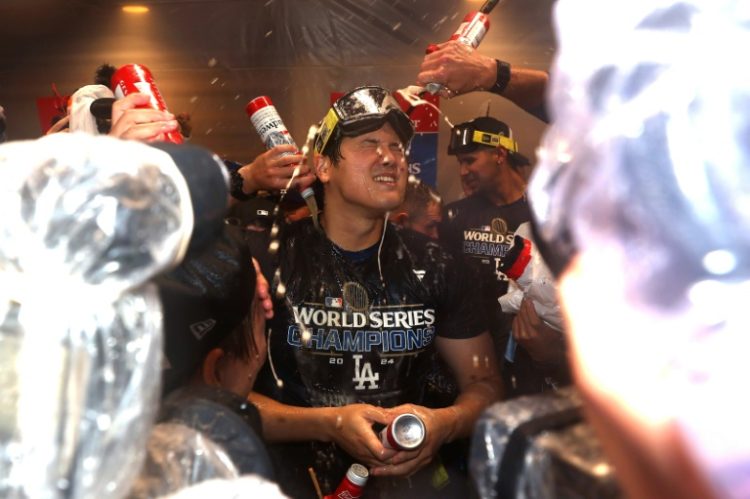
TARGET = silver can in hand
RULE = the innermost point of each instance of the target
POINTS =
(406, 432)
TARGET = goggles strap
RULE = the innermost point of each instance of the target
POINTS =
(494, 140)
(329, 124)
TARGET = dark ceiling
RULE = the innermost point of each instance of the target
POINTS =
(210, 56)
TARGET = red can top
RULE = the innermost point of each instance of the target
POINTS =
(257, 104)
(357, 474)
(131, 72)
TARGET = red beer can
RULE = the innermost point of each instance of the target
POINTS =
(406, 432)
(353, 484)
(137, 78)
(472, 29)
(471, 32)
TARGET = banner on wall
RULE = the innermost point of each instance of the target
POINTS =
(424, 146)
(48, 108)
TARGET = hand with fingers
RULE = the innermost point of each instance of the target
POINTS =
(272, 170)
(406, 463)
(133, 122)
(458, 68)
(262, 300)
(352, 431)
(544, 343)
(60, 126)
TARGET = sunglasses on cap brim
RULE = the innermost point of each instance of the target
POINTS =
(466, 138)
(364, 110)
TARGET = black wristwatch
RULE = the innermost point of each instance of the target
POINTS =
(235, 185)
(503, 77)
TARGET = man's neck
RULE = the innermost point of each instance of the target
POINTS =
(351, 231)
(510, 187)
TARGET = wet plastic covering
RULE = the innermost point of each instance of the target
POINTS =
(534, 282)
(177, 457)
(81, 119)
(646, 169)
(227, 419)
(245, 486)
(87, 221)
(536, 447)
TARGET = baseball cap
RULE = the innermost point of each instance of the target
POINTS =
(484, 131)
(203, 301)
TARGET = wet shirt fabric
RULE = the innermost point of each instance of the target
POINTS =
(227, 419)
(480, 233)
(341, 335)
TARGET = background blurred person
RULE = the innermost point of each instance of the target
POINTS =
(421, 210)
(480, 229)
(641, 201)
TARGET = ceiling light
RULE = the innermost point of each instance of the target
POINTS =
(135, 9)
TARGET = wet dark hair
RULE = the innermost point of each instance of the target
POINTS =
(240, 343)
(103, 75)
(518, 160)
(418, 197)
(333, 147)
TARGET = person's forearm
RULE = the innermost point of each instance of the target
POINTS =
(463, 414)
(527, 89)
(524, 87)
(288, 423)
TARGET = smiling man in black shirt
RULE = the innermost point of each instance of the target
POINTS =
(360, 309)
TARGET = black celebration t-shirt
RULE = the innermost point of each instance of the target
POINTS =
(343, 334)
(481, 233)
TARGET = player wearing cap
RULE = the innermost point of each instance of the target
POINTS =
(480, 228)
(360, 307)
(214, 346)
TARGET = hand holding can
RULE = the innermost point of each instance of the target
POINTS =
(271, 128)
(406, 432)
(470, 33)
(133, 78)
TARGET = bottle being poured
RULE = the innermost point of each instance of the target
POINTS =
(470, 32)
(273, 132)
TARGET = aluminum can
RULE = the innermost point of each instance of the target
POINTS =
(406, 432)
(353, 484)
(471, 32)
(472, 29)
(137, 78)
(270, 127)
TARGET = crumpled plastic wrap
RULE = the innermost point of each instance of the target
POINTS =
(87, 221)
(81, 119)
(178, 457)
(245, 486)
(536, 447)
(536, 283)
(645, 175)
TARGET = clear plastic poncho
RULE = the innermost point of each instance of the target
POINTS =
(87, 221)
(644, 173)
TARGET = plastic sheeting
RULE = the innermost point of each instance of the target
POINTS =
(535, 283)
(246, 486)
(177, 458)
(645, 175)
(86, 222)
(535, 447)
